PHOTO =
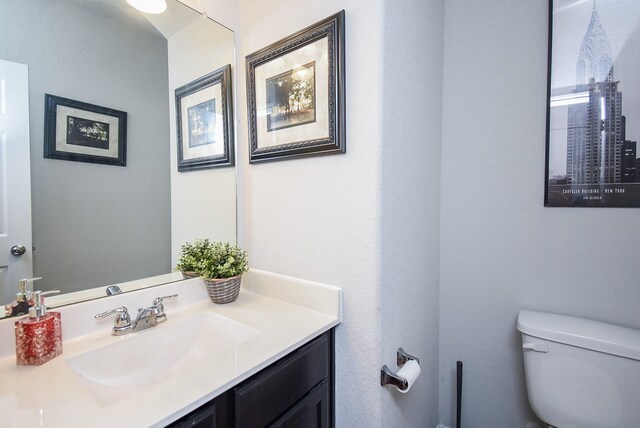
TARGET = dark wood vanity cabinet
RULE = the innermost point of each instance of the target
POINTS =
(296, 391)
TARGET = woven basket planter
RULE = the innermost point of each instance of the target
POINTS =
(223, 290)
(188, 274)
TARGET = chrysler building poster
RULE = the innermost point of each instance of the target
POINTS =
(594, 104)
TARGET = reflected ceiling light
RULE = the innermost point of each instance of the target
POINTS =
(300, 72)
(149, 6)
(570, 99)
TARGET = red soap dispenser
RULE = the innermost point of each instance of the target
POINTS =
(38, 336)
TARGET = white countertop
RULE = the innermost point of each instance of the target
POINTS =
(286, 311)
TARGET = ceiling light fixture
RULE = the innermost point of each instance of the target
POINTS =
(149, 6)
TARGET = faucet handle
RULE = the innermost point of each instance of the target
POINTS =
(110, 312)
(159, 307)
(159, 300)
(122, 322)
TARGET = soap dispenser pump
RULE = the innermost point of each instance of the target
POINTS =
(38, 336)
(21, 305)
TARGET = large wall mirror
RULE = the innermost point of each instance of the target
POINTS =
(97, 225)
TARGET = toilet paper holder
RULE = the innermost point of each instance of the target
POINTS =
(387, 377)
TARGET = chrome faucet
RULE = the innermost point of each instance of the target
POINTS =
(147, 317)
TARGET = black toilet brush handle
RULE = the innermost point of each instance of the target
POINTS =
(458, 392)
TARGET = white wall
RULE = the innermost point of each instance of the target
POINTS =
(349, 219)
(318, 218)
(203, 202)
(501, 250)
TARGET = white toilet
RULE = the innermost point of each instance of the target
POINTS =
(581, 373)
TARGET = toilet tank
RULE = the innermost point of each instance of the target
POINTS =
(581, 373)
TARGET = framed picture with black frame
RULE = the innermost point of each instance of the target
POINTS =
(593, 109)
(204, 122)
(83, 132)
(296, 94)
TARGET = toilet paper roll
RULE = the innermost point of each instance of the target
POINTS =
(410, 371)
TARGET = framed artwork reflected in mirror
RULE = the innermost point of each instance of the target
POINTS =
(204, 122)
(83, 132)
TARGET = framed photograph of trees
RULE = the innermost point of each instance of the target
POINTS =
(82, 132)
(204, 122)
(593, 120)
(296, 94)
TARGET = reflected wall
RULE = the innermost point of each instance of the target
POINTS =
(203, 202)
(93, 224)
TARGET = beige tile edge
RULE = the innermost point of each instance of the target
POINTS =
(308, 294)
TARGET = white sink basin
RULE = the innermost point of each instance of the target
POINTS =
(145, 357)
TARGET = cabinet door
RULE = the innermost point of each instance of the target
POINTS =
(214, 414)
(296, 391)
(310, 412)
(269, 394)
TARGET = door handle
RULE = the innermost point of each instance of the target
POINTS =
(18, 250)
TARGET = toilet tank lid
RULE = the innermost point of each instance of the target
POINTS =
(580, 332)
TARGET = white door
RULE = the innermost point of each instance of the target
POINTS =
(15, 179)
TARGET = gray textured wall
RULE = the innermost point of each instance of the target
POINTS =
(501, 250)
(410, 192)
(95, 224)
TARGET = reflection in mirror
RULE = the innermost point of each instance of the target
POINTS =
(95, 225)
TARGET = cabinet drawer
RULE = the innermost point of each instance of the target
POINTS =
(278, 387)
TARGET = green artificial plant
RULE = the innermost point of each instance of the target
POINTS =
(222, 260)
(192, 254)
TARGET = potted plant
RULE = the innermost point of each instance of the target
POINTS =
(221, 267)
(191, 254)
